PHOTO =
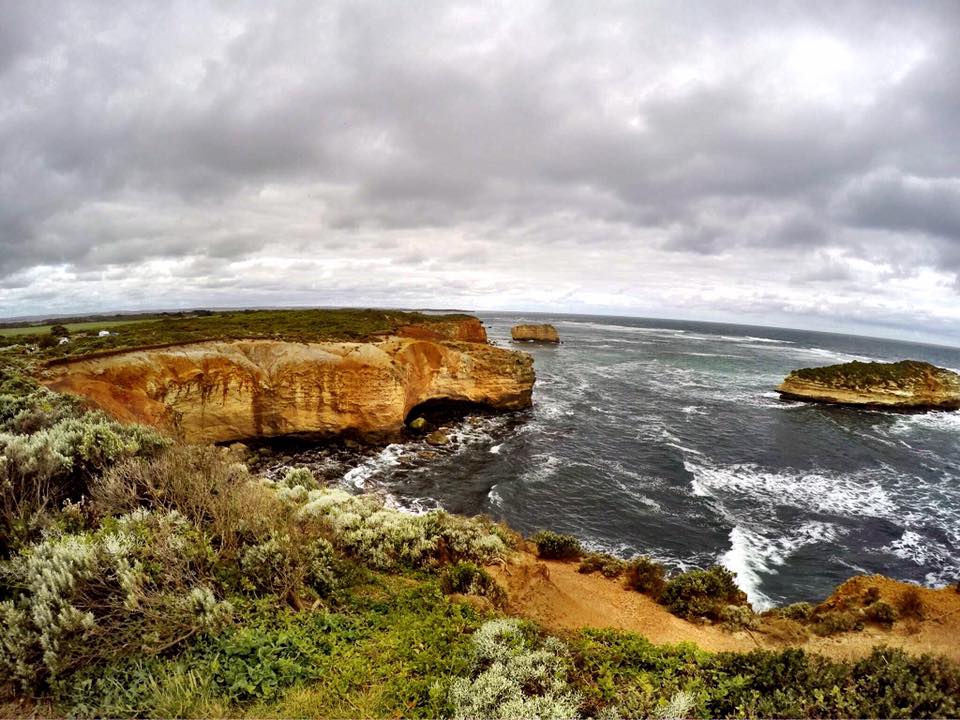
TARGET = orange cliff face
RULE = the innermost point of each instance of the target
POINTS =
(232, 390)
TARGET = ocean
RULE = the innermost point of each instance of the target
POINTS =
(668, 439)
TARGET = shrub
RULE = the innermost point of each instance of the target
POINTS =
(513, 676)
(139, 585)
(881, 612)
(201, 484)
(800, 611)
(739, 617)
(360, 526)
(606, 565)
(910, 604)
(38, 472)
(784, 630)
(831, 622)
(554, 546)
(702, 593)
(26, 407)
(469, 579)
(286, 566)
(646, 576)
(624, 675)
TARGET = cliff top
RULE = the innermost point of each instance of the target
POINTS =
(132, 332)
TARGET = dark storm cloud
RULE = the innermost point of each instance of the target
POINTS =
(737, 138)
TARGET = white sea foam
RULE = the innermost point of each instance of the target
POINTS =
(386, 458)
(710, 354)
(623, 328)
(753, 554)
(918, 549)
(544, 467)
(694, 410)
(925, 422)
(752, 339)
(846, 494)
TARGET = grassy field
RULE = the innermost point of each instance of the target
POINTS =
(310, 325)
(92, 327)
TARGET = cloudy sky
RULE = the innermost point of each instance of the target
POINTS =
(792, 164)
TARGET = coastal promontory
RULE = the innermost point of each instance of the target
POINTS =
(235, 388)
(905, 385)
(545, 333)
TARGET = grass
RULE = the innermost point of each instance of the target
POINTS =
(72, 327)
(310, 325)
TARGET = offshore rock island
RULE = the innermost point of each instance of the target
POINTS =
(544, 333)
(908, 385)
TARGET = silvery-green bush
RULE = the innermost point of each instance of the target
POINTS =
(283, 565)
(140, 584)
(514, 678)
(40, 470)
(385, 538)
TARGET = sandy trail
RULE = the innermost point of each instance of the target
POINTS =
(555, 595)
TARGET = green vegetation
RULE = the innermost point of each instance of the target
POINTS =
(468, 578)
(856, 374)
(702, 593)
(647, 576)
(91, 326)
(295, 325)
(623, 675)
(606, 565)
(143, 579)
(555, 546)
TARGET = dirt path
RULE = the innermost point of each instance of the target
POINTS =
(558, 597)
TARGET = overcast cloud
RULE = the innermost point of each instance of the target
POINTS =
(784, 163)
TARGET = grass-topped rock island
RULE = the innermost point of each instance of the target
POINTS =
(145, 572)
(907, 385)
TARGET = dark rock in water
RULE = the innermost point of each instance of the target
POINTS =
(537, 333)
(437, 438)
(905, 385)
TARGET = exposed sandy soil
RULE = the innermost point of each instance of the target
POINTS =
(558, 597)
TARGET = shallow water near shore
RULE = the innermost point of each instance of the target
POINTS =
(667, 438)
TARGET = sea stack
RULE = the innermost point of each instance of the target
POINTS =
(535, 333)
(907, 385)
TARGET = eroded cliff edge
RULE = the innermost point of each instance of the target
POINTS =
(218, 391)
(906, 385)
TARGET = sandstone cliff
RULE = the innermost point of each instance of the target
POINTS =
(904, 385)
(538, 333)
(229, 390)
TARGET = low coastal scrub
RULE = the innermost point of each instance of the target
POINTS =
(647, 576)
(466, 578)
(623, 675)
(702, 593)
(606, 565)
(50, 452)
(515, 674)
(556, 546)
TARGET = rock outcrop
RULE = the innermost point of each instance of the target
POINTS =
(231, 390)
(537, 333)
(905, 385)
